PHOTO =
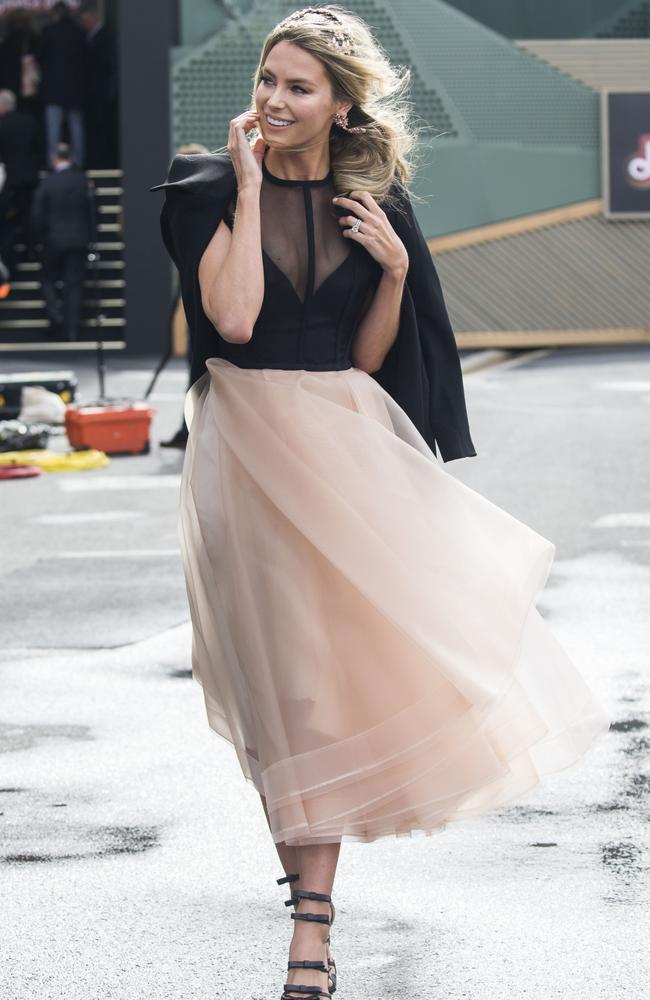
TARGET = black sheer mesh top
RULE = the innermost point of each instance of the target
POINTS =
(317, 282)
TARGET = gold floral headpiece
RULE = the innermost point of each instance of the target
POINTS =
(340, 40)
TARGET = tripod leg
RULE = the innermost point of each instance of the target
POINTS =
(168, 352)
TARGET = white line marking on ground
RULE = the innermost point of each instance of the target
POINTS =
(633, 519)
(114, 483)
(623, 386)
(89, 518)
(117, 554)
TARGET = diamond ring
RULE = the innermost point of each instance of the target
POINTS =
(357, 226)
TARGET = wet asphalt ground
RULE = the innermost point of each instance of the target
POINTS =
(135, 862)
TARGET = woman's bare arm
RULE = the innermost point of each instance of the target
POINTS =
(231, 272)
(378, 329)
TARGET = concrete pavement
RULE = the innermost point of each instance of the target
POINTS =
(134, 860)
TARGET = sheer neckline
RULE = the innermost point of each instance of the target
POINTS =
(292, 182)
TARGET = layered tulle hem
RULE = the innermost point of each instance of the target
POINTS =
(364, 624)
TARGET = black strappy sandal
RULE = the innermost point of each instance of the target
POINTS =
(308, 964)
(330, 959)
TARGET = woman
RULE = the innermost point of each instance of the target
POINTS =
(364, 626)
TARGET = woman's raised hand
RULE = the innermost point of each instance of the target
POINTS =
(247, 159)
(375, 233)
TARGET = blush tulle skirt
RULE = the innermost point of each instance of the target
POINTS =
(364, 625)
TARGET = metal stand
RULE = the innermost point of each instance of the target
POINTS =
(100, 319)
(170, 346)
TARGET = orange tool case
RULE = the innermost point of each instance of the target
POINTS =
(112, 428)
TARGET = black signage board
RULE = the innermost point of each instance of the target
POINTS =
(625, 118)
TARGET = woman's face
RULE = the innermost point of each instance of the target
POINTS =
(294, 88)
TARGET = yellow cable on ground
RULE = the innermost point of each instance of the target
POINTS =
(54, 461)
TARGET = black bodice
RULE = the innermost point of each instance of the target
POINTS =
(317, 282)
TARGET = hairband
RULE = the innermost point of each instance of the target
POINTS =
(341, 40)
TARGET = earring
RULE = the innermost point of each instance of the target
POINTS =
(341, 119)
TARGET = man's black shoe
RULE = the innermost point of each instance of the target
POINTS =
(179, 440)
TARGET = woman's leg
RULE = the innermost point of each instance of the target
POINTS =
(316, 866)
(287, 855)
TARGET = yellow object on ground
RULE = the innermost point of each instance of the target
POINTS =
(55, 461)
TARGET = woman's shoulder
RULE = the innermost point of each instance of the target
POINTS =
(200, 174)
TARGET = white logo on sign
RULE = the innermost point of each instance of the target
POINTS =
(638, 167)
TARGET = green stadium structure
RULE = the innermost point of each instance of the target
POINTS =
(631, 20)
(506, 138)
(559, 19)
(199, 19)
(506, 134)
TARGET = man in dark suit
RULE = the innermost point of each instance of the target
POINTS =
(63, 83)
(19, 152)
(101, 100)
(64, 219)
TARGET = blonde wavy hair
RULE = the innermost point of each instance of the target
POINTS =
(382, 155)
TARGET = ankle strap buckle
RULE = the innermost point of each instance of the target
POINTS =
(307, 963)
(287, 878)
(318, 918)
(304, 894)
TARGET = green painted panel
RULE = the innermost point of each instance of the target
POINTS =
(551, 19)
(467, 186)
(200, 19)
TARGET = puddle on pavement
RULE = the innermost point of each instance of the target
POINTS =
(622, 857)
(519, 812)
(13, 737)
(101, 842)
(628, 726)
